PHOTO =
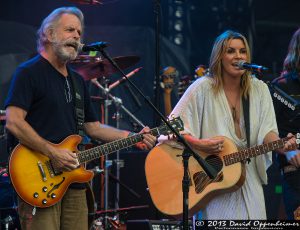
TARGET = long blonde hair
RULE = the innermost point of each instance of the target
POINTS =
(215, 62)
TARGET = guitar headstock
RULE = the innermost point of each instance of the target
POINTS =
(168, 77)
(176, 123)
(200, 71)
(297, 138)
(186, 80)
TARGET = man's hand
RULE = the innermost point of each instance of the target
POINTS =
(290, 144)
(148, 141)
(293, 157)
(63, 159)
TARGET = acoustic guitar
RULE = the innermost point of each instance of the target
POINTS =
(38, 183)
(167, 84)
(164, 173)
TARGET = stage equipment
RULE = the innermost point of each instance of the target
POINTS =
(93, 67)
(39, 184)
(88, 2)
(210, 171)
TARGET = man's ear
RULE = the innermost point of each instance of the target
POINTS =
(50, 34)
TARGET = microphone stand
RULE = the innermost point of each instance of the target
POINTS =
(157, 13)
(210, 171)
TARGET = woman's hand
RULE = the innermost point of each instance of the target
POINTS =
(207, 145)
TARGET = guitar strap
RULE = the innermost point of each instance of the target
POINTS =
(247, 121)
(78, 108)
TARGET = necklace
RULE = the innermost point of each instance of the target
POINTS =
(234, 111)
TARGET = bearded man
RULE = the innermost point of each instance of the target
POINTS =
(41, 110)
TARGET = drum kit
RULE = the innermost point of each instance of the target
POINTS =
(99, 71)
(91, 69)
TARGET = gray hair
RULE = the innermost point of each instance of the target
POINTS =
(50, 22)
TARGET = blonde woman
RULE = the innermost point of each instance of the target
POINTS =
(213, 106)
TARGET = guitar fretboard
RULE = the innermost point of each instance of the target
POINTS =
(94, 153)
(254, 151)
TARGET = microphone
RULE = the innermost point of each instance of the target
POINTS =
(252, 67)
(96, 46)
(113, 85)
(2, 112)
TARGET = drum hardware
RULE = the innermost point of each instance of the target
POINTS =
(7, 221)
(110, 217)
(119, 182)
(8, 200)
(93, 67)
(97, 170)
(2, 124)
(119, 105)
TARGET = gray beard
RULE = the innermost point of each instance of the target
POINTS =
(62, 53)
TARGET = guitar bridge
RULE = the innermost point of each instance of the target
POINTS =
(50, 168)
(42, 171)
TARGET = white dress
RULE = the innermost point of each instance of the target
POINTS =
(207, 115)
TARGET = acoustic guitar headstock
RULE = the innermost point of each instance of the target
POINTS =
(168, 77)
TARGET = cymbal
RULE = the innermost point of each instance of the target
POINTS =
(93, 67)
(87, 2)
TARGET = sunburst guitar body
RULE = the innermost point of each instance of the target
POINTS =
(38, 183)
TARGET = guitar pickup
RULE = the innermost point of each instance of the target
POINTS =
(42, 171)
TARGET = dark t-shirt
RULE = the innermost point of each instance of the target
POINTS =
(48, 97)
(288, 120)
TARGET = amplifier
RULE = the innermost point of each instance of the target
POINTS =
(156, 225)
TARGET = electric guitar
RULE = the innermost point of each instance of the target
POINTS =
(186, 80)
(164, 173)
(39, 184)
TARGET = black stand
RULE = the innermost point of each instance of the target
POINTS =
(157, 13)
(210, 171)
(131, 191)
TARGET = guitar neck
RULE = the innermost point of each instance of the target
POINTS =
(103, 150)
(167, 100)
(253, 152)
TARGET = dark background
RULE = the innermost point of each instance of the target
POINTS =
(129, 27)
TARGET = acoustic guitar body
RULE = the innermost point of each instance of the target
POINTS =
(164, 173)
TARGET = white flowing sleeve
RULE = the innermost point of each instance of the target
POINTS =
(189, 109)
(267, 123)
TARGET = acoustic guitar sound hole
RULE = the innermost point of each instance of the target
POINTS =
(215, 162)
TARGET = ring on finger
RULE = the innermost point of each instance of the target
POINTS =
(220, 147)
